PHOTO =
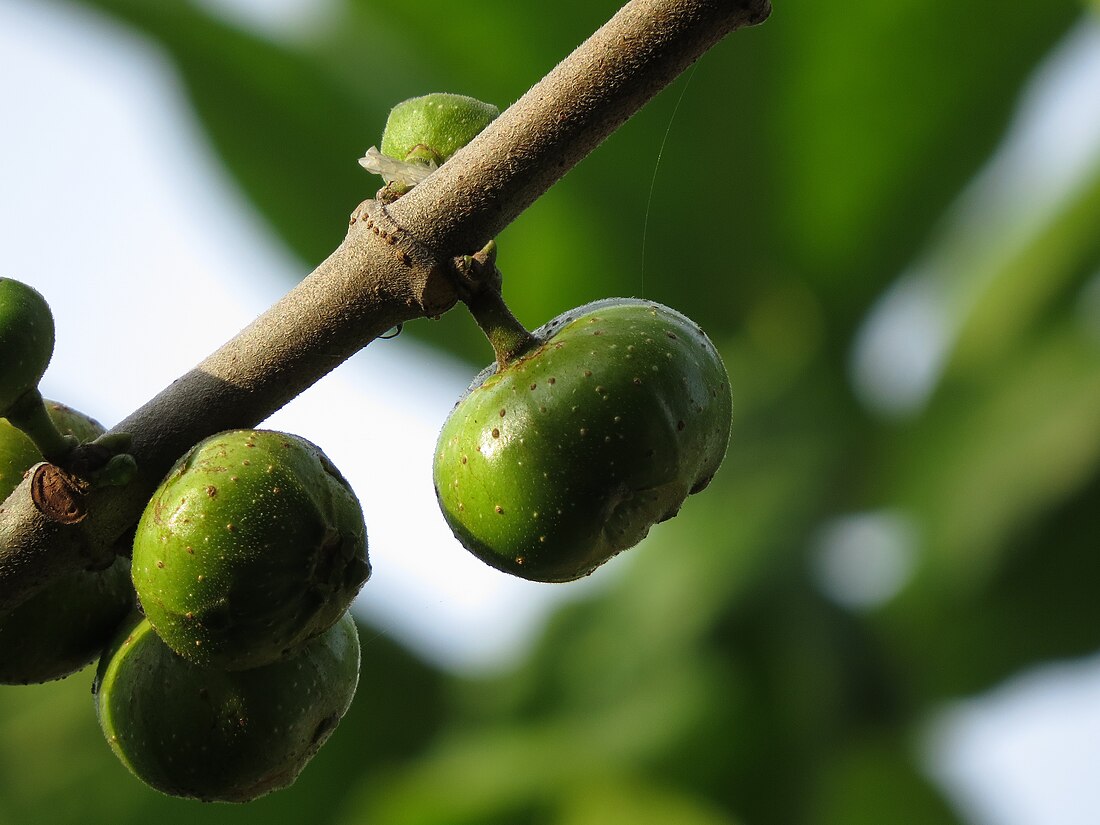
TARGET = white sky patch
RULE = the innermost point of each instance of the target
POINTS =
(1025, 753)
(863, 560)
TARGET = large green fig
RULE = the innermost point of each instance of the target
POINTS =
(26, 340)
(63, 627)
(252, 544)
(227, 736)
(570, 453)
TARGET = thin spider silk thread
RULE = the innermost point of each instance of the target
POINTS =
(657, 166)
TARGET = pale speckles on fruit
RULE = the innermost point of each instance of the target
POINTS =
(282, 547)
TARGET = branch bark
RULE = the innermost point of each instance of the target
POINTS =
(395, 264)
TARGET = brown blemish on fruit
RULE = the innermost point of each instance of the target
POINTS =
(499, 510)
(551, 380)
(496, 433)
(211, 491)
(502, 412)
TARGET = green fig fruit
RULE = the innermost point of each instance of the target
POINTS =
(26, 340)
(433, 127)
(570, 453)
(64, 626)
(252, 544)
(224, 736)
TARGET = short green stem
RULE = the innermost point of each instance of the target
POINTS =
(509, 338)
(29, 415)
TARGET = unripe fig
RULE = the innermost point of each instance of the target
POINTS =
(253, 544)
(568, 454)
(434, 126)
(26, 340)
(63, 627)
(225, 736)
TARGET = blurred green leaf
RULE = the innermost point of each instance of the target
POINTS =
(1027, 271)
(872, 780)
(993, 454)
(883, 111)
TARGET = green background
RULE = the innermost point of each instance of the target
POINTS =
(806, 164)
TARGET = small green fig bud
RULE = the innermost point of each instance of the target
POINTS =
(423, 132)
(26, 340)
(253, 544)
(434, 126)
(222, 736)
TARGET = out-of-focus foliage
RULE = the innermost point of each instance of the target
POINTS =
(810, 162)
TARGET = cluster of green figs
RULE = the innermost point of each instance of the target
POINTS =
(226, 651)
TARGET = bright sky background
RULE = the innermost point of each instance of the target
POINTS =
(112, 205)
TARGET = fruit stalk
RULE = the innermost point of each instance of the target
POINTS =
(29, 415)
(510, 339)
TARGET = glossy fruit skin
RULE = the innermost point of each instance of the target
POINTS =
(222, 736)
(26, 340)
(253, 544)
(63, 627)
(569, 455)
(442, 122)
